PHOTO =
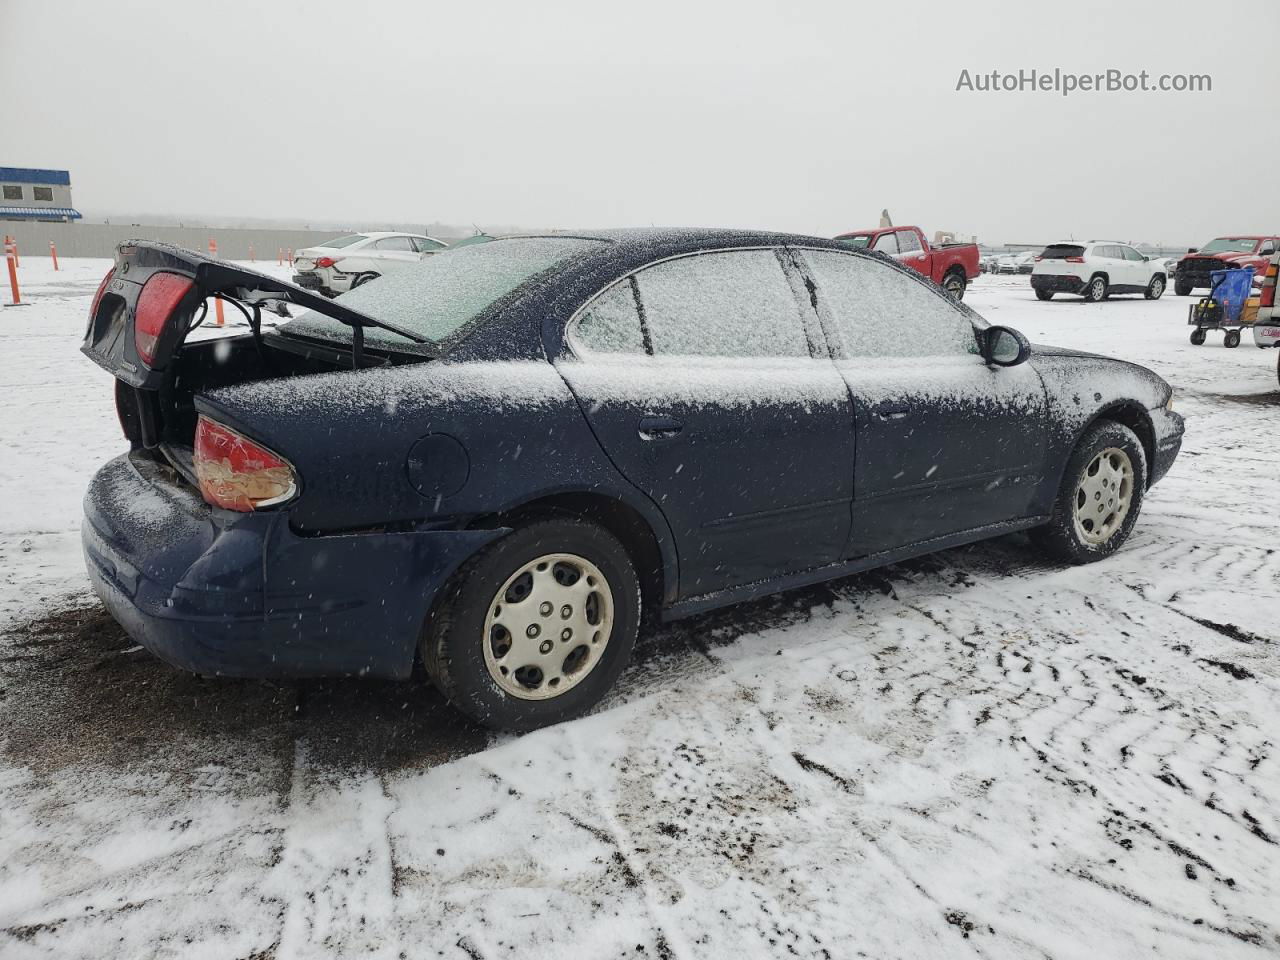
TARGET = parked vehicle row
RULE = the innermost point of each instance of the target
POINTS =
(951, 266)
(494, 460)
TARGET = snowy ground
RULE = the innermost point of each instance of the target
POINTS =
(979, 753)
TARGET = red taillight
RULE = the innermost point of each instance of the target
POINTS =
(1268, 296)
(238, 474)
(1074, 259)
(97, 297)
(326, 262)
(159, 298)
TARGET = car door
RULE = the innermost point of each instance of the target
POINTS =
(945, 443)
(391, 253)
(911, 253)
(1137, 269)
(708, 383)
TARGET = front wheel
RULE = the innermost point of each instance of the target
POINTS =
(1155, 289)
(953, 284)
(1198, 337)
(1231, 339)
(1182, 288)
(1096, 291)
(1100, 496)
(536, 628)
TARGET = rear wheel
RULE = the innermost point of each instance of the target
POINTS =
(1197, 337)
(1096, 291)
(1155, 289)
(1231, 339)
(536, 628)
(1100, 496)
(1182, 288)
(363, 279)
(1044, 294)
(953, 283)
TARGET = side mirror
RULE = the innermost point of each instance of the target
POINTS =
(1192, 249)
(1005, 347)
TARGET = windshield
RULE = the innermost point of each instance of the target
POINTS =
(1230, 245)
(344, 241)
(856, 242)
(436, 297)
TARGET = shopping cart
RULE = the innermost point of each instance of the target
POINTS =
(1222, 308)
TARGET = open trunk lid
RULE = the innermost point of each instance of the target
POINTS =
(155, 296)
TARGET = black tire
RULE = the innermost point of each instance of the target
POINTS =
(1044, 294)
(364, 278)
(1060, 536)
(1231, 339)
(953, 285)
(1155, 289)
(1182, 288)
(1096, 290)
(453, 638)
(1198, 337)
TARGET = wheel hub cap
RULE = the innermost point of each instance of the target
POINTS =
(548, 626)
(1103, 496)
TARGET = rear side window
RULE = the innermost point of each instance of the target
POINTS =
(732, 304)
(886, 243)
(402, 244)
(610, 323)
(427, 245)
(1061, 251)
(881, 312)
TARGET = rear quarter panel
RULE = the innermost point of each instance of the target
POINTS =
(350, 434)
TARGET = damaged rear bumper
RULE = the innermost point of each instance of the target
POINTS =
(240, 594)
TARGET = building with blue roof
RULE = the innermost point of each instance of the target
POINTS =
(30, 194)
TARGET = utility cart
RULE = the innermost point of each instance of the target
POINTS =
(1223, 308)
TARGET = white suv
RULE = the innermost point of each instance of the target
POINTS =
(1095, 270)
(338, 265)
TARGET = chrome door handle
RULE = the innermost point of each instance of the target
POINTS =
(659, 427)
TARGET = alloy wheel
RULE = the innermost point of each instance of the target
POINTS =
(1103, 496)
(548, 626)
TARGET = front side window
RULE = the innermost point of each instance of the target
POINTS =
(399, 244)
(12, 193)
(427, 245)
(610, 323)
(1131, 254)
(887, 243)
(879, 311)
(730, 304)
(909, 242)
(42, 193)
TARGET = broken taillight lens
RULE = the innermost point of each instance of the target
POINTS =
(325, 262)
(238, 474)
(97, 297)
(159, 298)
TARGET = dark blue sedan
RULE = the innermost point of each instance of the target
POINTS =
(498, 460)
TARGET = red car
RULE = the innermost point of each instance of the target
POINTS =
(951, 266)
(1222, 253)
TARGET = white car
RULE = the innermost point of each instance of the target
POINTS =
(1096, 269)
(338, 265)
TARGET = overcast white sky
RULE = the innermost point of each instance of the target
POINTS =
(801, 116)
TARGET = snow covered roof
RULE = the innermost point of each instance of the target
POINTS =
(39, 213)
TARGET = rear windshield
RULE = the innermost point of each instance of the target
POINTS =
(436, 297)
(1230, 245)
(346, 241)
(855, 243)
(1060, 251)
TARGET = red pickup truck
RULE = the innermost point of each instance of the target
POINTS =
(951, 266)
(1223, 253)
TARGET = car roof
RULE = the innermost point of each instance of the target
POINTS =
(378, 234)
(654, 243)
